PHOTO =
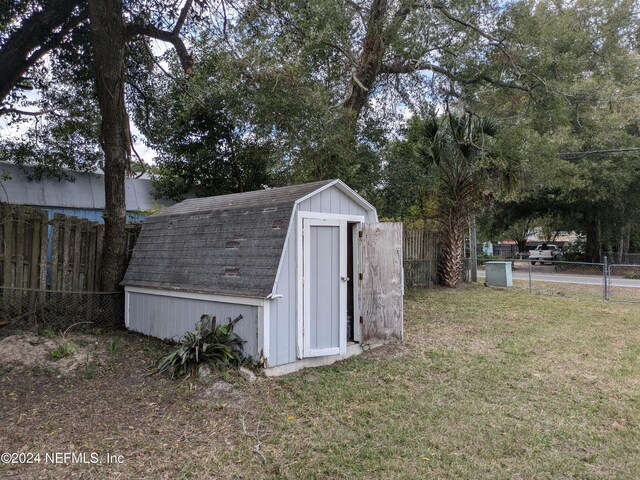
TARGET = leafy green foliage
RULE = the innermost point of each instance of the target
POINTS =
(46, 331)
(89, 368)
(209, 147)
(242, 124)
(66, 132)
(210, 343)
(63, 350)
(585, 55)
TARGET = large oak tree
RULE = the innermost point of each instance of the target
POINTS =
(31, 35)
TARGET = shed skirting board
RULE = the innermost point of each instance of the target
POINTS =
(169, 315)
(311, 362)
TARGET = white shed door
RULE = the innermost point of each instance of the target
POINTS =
(324, 287)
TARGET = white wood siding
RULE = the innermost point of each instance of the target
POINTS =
(169, 317)
(283, 314)
(282, 332)
(332, 200)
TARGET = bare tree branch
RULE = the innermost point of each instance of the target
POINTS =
(172, 77)
(579, 155)
(418, 65)
(16, 111)
(35, 37)
(466, 24)
(183, 16)
(186, 60)
(349, 56)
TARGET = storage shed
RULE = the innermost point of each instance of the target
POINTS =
(313, 274)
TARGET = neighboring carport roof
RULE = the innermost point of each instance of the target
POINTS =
(228, 245)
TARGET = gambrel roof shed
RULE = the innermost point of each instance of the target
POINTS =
(309, 269)
(228, 244)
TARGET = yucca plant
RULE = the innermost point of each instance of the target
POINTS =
(210, 343)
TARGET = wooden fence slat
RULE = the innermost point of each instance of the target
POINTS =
(420, 257)
(55, 251)
(44, 244)
(99, 247)
(91, 261)
(64, 253)
(36, 226)
(4, 219)
(85, 227)
(75, 280)
(19, 252)
(8, 223)
(66, 273)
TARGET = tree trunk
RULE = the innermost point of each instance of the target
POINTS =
(621, 245)
(452, 248)
(369, 62)
(108, 42)
(592, 250)
(627, 240)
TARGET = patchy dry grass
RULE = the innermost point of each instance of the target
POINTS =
(488, 384)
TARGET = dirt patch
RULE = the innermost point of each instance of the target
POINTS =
(64, 354)
(221, 394)
(162, 427)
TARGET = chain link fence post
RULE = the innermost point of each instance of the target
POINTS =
(530, 289)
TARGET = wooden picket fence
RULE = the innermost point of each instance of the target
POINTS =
(420, 258)
(62, 254)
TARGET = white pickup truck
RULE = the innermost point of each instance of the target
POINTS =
(544, 253)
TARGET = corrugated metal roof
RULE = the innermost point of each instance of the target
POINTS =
(86, 192)
(229, 244)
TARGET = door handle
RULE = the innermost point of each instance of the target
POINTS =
(344, 279)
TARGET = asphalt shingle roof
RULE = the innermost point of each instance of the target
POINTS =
(228, 244)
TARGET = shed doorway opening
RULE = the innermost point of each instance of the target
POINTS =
(353, 250)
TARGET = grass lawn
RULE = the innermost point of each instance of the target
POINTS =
(488, 384)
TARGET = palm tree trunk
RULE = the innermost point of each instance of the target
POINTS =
(452, 253)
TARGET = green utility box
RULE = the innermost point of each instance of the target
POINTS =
(498, 274)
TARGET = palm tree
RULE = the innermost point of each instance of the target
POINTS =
(456, 150)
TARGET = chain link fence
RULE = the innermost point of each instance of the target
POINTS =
(571, 279)
(623, 283)
(622, 258)
(31, 309)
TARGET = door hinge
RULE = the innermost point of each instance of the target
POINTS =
(361, 319)
(359, 276)
(360, 234)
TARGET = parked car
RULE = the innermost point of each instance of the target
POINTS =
(545, 253)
